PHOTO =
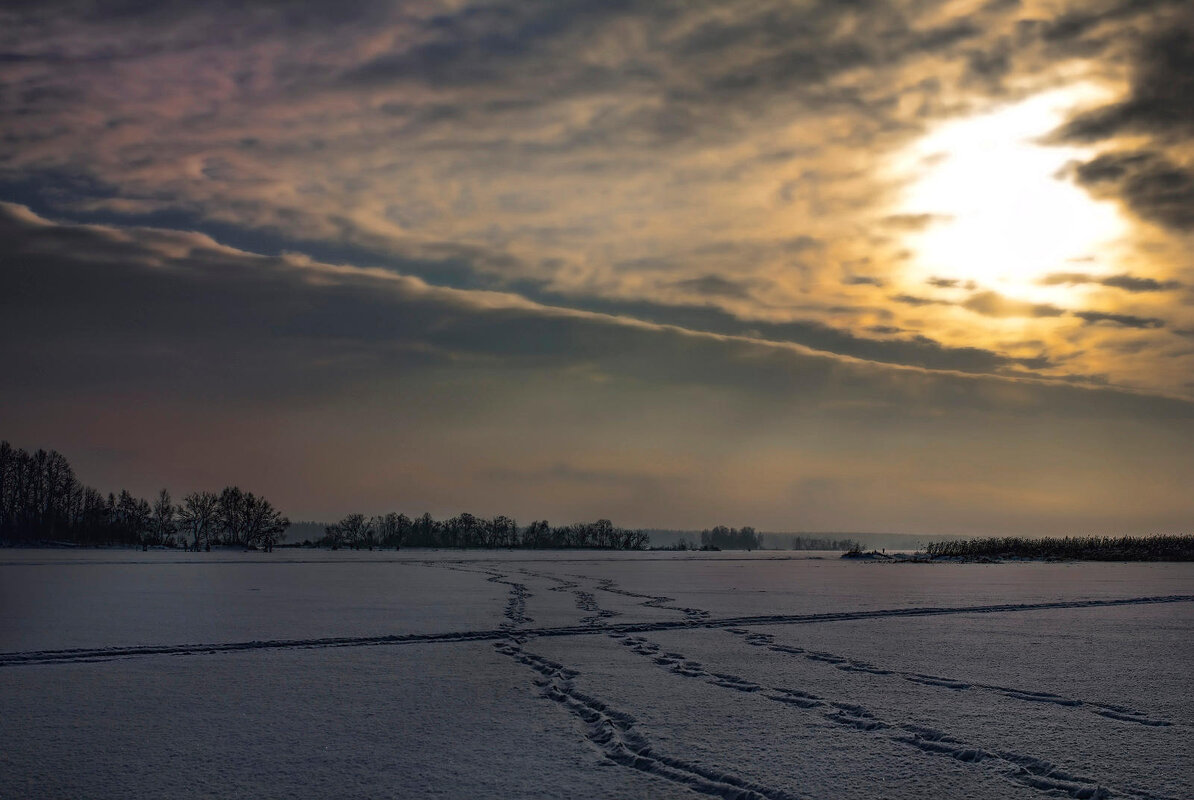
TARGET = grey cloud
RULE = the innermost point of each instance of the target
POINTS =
(913, 300)
(1120, 320)
(85, 306)
(918, 351)
(1148, 182)
(1161, 99)
(1128, 283)
(950, 283)
(313, 381)
(914, 222)
(993, 304)
(713, 286)
(863, 280)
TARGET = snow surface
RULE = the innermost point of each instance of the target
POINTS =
(590, 674)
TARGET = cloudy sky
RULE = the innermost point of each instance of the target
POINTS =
(916, 266)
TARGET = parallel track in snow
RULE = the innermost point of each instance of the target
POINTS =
(111, 653)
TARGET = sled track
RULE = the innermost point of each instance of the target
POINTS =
(515, 617)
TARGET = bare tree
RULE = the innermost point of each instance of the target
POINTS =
(133, 518)
(198, 516)
(334, 535)
(262, 523)
(162, 522)
(391, 529)
(357, 530)
(232, 515)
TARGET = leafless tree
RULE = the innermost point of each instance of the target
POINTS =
(162, 523)
(198, 517)
(357, 531)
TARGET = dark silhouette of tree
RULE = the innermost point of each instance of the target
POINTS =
(333, 535)
(162, 522)
(230, 511)
(392, 529)
(356, 530)
(198, 517)
(537, 534)
(263, 524)
(724, 538)
(425, 531)
(42, 500)
(133, 518)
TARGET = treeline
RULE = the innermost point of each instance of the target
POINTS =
(41, 500)
(723, 538)
(465, 530)
(800, 542)
(1084, 548)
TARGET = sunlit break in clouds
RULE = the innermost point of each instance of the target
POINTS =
(900, 266)
(1008, 215)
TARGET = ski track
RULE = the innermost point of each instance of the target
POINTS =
(852, 665)
(614, 735)
(515, 616)
(1030, 771)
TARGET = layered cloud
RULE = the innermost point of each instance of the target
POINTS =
(274, 206)
(163, 356)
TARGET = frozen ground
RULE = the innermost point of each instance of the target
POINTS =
(480, 674)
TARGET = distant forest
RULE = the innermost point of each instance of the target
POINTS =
(41, 500)
(746, 538)
(1080, 548)
(796, 541)
(465, 530)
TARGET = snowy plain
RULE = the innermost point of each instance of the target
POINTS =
(590, 674)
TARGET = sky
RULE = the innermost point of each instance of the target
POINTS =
(913, 266)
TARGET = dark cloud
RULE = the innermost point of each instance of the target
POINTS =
(1128, 283)
(914, 222)
(863, 280)
(919, 351)
(538, 182)
(1149, 183)
(1160, 102)
(1154, 178)
(993, 304)
(913, 300)
(88, 306)
(580, 154)
(950, 283)
(1119, 320)
(714, 286)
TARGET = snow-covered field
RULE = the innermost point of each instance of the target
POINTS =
(590, 674)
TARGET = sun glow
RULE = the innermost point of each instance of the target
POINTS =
(1001, 211)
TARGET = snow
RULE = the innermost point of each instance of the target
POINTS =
(590, 674)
